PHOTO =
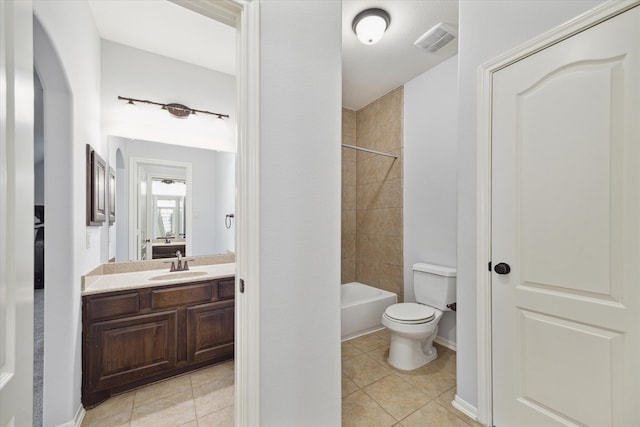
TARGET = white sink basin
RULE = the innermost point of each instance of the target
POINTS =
(178, 275)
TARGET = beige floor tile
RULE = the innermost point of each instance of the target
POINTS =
(193, 423)
(396, 396)
(446, 359)
(348, 386)
(429, 380)
(177, 385)
(212, 397)
(222, 418)
(447, 397)
(363, 370)
(368, 342)
(360, 410)
(114, 412)
(349, 351)
(170, 411)
(383, 334)
(221, 374)
(433, 415)
(380, 355)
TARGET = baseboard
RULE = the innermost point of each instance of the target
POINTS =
(451, 345)
(77, 419)
(466, 408)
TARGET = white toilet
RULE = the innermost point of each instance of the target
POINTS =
(414, 325)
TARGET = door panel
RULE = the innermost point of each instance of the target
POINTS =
(16, 200)
(565, 216)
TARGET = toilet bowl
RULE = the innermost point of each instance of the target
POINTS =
(414, 325)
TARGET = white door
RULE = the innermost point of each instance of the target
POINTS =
(566, 219)
(16, 213)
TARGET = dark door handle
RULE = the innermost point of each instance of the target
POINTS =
(502, 268)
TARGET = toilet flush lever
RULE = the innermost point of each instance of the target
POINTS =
(502, 268)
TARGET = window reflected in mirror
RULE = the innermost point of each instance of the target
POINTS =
(168, 208)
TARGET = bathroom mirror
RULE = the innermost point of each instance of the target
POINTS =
(169, 198)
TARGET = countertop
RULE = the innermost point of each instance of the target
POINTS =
(96, 284)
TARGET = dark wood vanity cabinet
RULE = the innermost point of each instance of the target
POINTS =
(135, 337)
(169, 251)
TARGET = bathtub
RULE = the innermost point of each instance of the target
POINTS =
(362, 307)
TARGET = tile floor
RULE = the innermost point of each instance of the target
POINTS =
(373, 394)
(198, 399)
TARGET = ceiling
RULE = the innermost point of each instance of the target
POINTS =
(368, 72)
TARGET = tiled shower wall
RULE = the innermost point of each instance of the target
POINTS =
(348, 197)
(378, 195)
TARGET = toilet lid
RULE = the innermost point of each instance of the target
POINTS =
(410, 312)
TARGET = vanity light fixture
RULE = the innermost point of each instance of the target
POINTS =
(370, 25)
(176, 110)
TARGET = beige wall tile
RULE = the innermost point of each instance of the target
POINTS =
(377, 197)
(348, 247)
(348, 122)
(348, 271)
(349, 174)
(381, 194)
(348, 198)
(349, 222)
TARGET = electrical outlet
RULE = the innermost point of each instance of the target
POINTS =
(88, 240)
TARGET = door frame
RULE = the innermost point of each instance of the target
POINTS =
(244, 15)
(134, 164)
(486, 71)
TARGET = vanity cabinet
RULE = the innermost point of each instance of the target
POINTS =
(135, 337)
(166, 251)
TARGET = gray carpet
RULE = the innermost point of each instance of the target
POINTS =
(38, 354)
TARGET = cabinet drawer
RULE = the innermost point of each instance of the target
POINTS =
(113, 306)
(181, 295)
(226, 288)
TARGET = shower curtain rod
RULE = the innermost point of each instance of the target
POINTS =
(369, 151)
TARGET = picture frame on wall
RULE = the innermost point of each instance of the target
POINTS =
(96, 188)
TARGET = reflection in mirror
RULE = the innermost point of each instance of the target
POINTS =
(155, 217)
(168, 212)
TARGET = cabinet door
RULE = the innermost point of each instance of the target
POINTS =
(210, 331)
(126, 350)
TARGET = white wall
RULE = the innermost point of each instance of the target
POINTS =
(486, 29)
(300, 168)
(430, 133)
(213, 184)
(225, 203)
(68, 63)
(135, 73)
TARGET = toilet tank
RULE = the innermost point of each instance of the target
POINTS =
(434, 285)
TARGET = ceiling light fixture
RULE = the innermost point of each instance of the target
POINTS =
(176, 110)
(370, 25)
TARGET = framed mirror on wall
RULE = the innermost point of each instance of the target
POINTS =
(170, 198)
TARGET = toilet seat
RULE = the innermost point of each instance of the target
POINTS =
(410, 313)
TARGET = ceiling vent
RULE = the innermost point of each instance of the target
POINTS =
(436, 38)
